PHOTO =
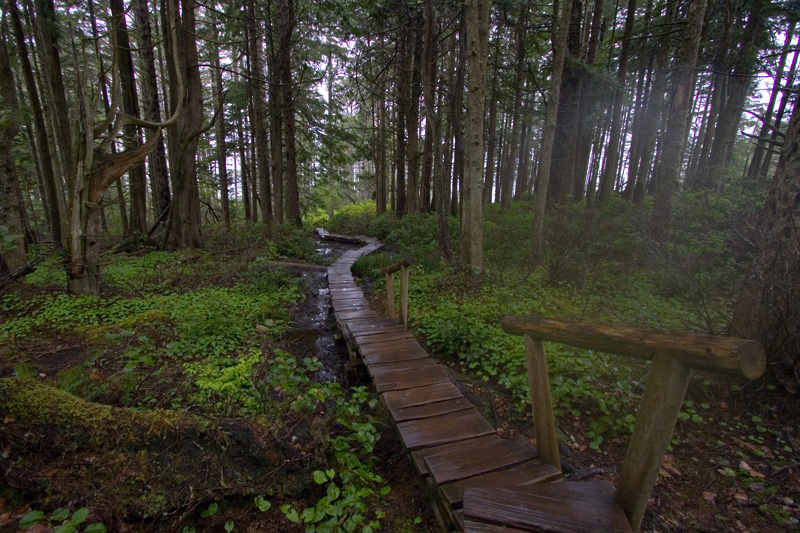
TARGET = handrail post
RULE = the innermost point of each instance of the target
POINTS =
(390, 295)
(404, 295)
(544, 421)
(655, 421)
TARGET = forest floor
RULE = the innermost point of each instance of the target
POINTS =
(718, 475)
(734, 464)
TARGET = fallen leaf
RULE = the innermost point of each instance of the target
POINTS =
(710, 497)
(262, 329)
(9, 420)
(723, 405)
(747, 468)
(739, 496)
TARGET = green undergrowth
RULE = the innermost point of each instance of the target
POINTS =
(598, 266)
(196, 331)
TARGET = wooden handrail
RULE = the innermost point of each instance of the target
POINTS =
(673, 355)
(391, 269)
(707, 352)
(402, 266)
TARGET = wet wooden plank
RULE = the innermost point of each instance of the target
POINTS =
(401, 366)
(579, 506)
(461, 425)
(386, 337)
(407, 378)
(379, 357)
(355, 313)
(471, 526)
(377, 329)
(528, 473)
(421, 395)
(393, 346)
(419, 456)
(431, 409)
(477, 458)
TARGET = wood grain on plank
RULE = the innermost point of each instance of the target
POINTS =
(461, 425)
(527, 473)
(431, 409)
(580, 506)
(478, 458)
(421, 395)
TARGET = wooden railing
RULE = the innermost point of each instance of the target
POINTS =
(673, 356)
(402, 266)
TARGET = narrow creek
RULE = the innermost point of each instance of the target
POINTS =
(313, 329)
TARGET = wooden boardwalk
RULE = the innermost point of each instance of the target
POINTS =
(451, 444)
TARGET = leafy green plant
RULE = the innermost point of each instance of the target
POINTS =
(61, 521)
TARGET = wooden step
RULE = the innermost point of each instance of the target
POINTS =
(458, 426)
(431, 409)
(406, 374)
(477, 458)
(528, 473)
(571, 506)
(420, 396)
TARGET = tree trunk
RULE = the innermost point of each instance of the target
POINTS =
(151, 111)
(434, 120)
(248, 214)
(491, 131)
(457, 117)
(613, 153)
(787, 92)
(559, 39)
(11, 208)
(132, 136)
(222, 148)
(380, 163)
(507, 180)
(585, 130)
(49, 178)
(768, 308)
(414, 89)
(257, 125)
(292, 193)
(476, 15)
(739, 83)
(763, 134)
(184, 133)
(671, 156)
(403, 67)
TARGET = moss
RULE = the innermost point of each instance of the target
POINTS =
(31, 402)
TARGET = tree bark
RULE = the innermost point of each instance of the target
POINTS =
(760, 149)
(476, 15)
(671, 156)
(403, 67)
(559, 39)
(151, 111)
(739, 83)
(292, 190)
(11, 208)
(184, 133)
(507, 179)
(49, 178)
(613, 154)
(132, 136)
(434, 120)
(255, 81)
(222, 148)
(768, 308)
(414, 89)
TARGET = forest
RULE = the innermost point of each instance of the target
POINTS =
(168, 360)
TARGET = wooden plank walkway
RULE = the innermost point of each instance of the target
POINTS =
(451, 444)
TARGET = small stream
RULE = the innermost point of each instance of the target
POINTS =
(313, 331)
